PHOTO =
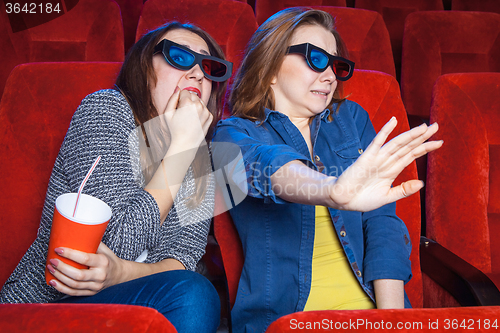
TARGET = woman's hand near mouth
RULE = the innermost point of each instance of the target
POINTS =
(193, 90)
(188, 119)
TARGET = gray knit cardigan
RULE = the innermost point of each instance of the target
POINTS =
(102, 125)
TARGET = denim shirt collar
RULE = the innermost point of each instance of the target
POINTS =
(267, 112)
(272, 116)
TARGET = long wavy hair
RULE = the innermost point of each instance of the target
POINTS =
(251, 92)
(134, 80)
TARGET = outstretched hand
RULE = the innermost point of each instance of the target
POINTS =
(104, 271)
(366, 184)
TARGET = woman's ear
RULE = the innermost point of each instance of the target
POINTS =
(274, 80)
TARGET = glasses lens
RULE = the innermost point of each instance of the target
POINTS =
(214, 68)
(319, 59)
(341, 68)
(181, 57)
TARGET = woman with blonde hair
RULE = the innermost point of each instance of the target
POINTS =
(318, 226)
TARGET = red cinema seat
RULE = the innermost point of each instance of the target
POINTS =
(90, 31)
(492, 6)
(463, 177)
(394, 13)
(443, 42)
(39, 101)
(230, 23)
(369, 43)
(130, 11)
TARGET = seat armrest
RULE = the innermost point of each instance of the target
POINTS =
(466, 283)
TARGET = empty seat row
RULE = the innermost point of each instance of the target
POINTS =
(438, 42)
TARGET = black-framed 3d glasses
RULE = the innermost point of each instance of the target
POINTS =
(183, 58)
(319, 60)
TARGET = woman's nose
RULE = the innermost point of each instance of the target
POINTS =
(328, 75)
(195, 73)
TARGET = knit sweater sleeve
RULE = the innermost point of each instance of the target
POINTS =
(186, 227)
(102, 126)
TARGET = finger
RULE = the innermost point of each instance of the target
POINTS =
(74, 278)
(426, 148)
(407, 141)
(383, 134)
(420, 151)
(194, 95)
(431, 130)
(191, 102)
(173, 101)
(405, 189)
(203, 103)
(205, 113)
(63, 271)
(61, 287)
(404, 139)
(84, 258)
(187, 98)
(207, 123)
(399, 148)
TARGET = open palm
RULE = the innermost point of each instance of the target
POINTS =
(366, 184)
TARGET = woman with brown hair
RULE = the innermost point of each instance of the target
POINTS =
(154, 173)
(318, 226)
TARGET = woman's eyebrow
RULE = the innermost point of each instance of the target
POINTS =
(201, 51)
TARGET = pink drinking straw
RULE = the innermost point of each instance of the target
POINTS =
(84, 181)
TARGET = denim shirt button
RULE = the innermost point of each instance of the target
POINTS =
(316, 158)
(342, 233)
(358, 273)
(360, 151)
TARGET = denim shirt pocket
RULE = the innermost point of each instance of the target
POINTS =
(349, 152)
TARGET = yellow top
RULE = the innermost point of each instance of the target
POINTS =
(333, 285)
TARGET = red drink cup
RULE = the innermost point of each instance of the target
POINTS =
(83, 232)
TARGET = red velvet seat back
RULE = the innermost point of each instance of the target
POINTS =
(476, 6)
(266, 8)
(230, 23)
(369, 44)
(379, 94)
(437, 43)
(35, 113)
(130, 11)
(394, 13)
(91, 31)
(9, 57)
(463, 192)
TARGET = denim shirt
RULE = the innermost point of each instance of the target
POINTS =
(278, 236)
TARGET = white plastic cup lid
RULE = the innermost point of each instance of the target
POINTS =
(90, 211)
